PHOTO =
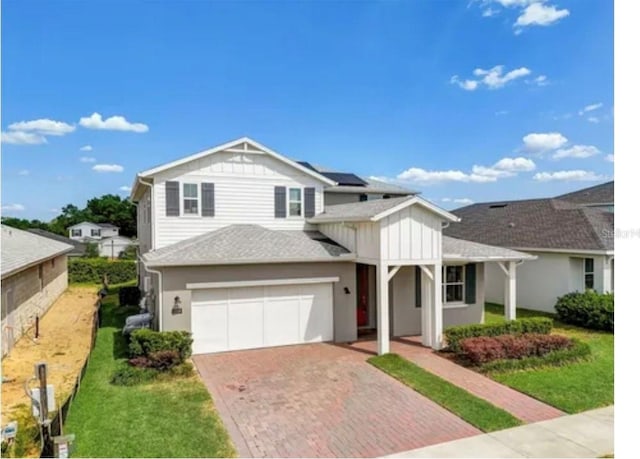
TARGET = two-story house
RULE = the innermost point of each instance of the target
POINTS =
(105, 235)
(246, 248)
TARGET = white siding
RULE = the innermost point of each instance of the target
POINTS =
(144, 222)
(244, 194)
(412, 234)
(343, 234)
(368, 240)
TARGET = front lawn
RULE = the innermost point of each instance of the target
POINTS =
(574, 387)
(474, 410)
(174, 418)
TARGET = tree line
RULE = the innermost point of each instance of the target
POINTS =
(109, 208)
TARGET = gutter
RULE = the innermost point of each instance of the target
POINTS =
(161, 293)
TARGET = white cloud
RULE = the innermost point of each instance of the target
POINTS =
(491, 172)
(590, 108)
(87, 159)
(574, 175)
(489, 12)
(125, 188)
(593, 119)
(541, 142)
(493, 78)
(108, 168)
(13, 208)
(609, 158)
(518, 164)
(540, 80)
(86, 148)
(512, 3)
(23, 138)
(43, 126)
(576, 151)
(54, 210)
(24, 172)
(539, 14)
(114, 123)
(422, 176)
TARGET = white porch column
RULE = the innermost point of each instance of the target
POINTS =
(510, 291)
(607, 275)
(425, 310)
(382, 286)
(436, 307)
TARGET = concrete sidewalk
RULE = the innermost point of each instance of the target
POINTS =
(588, 434)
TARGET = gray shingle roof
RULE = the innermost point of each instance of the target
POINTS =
(535, 224)
(107, 225)
(22, 249)
(78, 250)
(237, 244)
(459, 249)
(598, 194)
(373, 186)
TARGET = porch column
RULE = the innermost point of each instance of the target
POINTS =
(436, 308)
(382, 286)
(607, 275)
(425, 310)
(510, 291)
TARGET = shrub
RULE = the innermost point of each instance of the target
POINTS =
(93, 270)
(184, 369)
(145, 342)
(539, 325)
(91, 250)
(485, 349)
(589, 309)
(131, 376)
(161, 360)
(129, 296)
(578, 351)
(129, 253)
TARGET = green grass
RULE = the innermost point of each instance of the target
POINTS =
(472, 409)
(174, 418)
(574, 387)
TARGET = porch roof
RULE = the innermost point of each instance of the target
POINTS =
(454, 249)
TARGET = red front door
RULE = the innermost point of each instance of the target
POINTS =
(362, 274)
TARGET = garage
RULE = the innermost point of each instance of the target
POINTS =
(246, 315)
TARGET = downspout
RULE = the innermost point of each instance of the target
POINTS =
(160, 293)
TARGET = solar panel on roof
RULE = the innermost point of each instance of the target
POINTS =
(344, 178)
(307, 165)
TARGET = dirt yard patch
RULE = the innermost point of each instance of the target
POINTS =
(64, 343)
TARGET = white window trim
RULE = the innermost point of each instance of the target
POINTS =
(301, 216)
(182, 198)
(452, 304)
(585, 272)
(96, 235)
(79, 230)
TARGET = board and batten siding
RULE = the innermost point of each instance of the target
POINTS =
(244, 194)
(411, 234)
(144, 222)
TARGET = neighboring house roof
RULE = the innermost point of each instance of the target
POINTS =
(599, 194)
(107, 226)
(458, 249)
(551, 224)
(22, 249)
(238, 244)
(94, 225)
(79, 248)
(375, 210)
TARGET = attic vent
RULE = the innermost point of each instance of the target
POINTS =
(497, 206)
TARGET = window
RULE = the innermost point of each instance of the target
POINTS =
(363, 197)
(95, 232)
(453, 284)
(418, 285)
(295, 202)
(190, 198)
(76, 233)
(588, 273)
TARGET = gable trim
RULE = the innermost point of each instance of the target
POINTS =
(416, 200)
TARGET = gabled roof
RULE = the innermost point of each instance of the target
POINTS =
(553, 224)
(94, 225)
(107, 226)
(247, 146)
(79, 248)
(22, 249)
(375, 210)
(238, 244)
(599, 194)
(459, 249)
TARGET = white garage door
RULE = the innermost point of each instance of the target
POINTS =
(225, 319)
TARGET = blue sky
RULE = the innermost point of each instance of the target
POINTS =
(416, 92)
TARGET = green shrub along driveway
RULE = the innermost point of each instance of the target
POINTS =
(573, 387)
(165, 418)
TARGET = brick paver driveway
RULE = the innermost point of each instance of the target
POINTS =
(320, 400)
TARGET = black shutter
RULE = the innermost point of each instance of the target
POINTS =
(470, 283)
(280, 197)
(309, 202)
(418, 286)
(172, 199)
(208, 199)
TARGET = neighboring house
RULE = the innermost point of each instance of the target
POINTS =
(79, 248)
(92, 231)
(112, 246)
(571, 234)
(240, 246)
(34, 274)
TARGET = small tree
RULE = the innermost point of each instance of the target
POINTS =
(129, 253)
(91, 250)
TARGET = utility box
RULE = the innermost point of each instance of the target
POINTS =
(51, 401)
(62, 445)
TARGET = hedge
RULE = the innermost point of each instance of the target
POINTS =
(540, 325)
(484, 349)
(93, 270)
(578, 351)
(147, 343)
(589, 309)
